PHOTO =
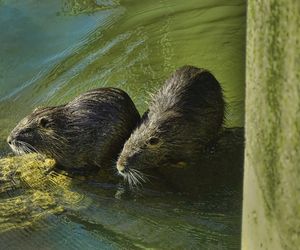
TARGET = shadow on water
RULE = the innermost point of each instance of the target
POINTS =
(53, 50)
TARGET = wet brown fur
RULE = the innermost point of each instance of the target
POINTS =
(88, 131)
(184, 116)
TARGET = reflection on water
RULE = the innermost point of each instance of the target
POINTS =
(39, 205)
(52, 50)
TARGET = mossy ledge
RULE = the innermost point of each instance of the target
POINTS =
(271, 214)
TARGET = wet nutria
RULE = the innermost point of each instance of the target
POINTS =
(183, 117)
(88, 131)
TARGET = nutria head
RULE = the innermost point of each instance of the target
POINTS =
(41, 131)
(183, 117)
(88, 131)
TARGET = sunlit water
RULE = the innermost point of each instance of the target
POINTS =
(50, 51)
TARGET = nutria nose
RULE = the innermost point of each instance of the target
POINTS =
(123, 171)
(121, 168)
(9, 140)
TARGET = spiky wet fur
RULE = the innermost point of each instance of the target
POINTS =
(88, 131)
(184, 116)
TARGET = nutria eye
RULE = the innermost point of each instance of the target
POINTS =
(153, 141)
(44, 123)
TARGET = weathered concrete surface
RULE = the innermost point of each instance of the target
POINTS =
(271, 212)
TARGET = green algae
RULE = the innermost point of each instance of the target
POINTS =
(271, 218)
(31, 190)
(76, 7)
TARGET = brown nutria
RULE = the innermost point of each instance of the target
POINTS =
(88, 131)
(184, 116)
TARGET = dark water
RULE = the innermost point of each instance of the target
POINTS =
(50, 51)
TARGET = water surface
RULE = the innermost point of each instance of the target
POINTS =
(50, 51)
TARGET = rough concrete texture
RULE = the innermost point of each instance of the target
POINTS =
(271, 212)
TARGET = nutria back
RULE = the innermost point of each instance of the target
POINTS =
(184, 116)
(88, 131)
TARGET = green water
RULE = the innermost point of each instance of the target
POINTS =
(50, 51)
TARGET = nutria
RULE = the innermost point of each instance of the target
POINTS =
(184, 116)
(88, 131)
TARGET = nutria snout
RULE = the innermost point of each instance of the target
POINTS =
(88, 131)
(184, 115)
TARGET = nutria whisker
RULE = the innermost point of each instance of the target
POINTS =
(140, 175)
(29, 147)
(20, 147)
(128, 179)
(138, 178)
(17, 149)
(133, 181)
(25, 149)
(134, 178)
(55, 145)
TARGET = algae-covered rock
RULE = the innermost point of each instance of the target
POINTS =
(30, 189)
(27, 170)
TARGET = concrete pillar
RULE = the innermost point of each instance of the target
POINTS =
(271, 209)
